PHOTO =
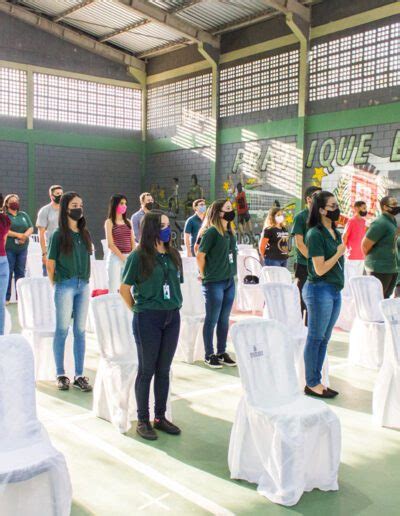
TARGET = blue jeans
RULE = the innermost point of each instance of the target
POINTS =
(156, 334)
(70, 297)
(219, 296)
(323, 301)
(4, 274)
(17, 264)
(275, 263)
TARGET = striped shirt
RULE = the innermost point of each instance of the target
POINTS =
(122, 236)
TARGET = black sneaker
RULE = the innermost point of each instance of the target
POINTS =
(62, 383)
(82, 383)
(213, 361)
(145, 430)
(166, 426)
(225, 359)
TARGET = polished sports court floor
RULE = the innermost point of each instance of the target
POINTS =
(122, 475)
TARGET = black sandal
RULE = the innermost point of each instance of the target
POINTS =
(325, 393)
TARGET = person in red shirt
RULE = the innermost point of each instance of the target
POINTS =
(5, 224)
(353, 234)
(244, 219)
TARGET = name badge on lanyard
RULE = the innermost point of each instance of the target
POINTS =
(166, 292)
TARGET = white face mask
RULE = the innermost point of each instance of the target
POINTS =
(279, 219)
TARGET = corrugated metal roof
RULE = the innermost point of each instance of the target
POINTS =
(147, 37)
(51, 7)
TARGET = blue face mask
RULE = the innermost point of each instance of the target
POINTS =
(165, 234)
(202, 209)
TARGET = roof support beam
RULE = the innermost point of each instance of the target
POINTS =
(127, 28)
(172, 21)
(72, 10)
(290, 6)
(66, 34)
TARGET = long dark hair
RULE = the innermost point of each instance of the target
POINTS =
(150, 226)
(319, 201)
(112, 208)
(66, 243)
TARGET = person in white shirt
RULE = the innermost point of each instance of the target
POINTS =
(47, 221)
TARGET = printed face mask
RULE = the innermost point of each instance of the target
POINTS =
(121, 209)
(75, 213)
(165, 234)
(279, 219)
(229, 216)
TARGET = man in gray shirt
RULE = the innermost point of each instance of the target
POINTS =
(146, 205)
(47, 221)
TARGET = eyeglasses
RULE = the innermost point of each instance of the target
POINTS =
(332, 206)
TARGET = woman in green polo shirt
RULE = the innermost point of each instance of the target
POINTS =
(216, 259)
(321, 292)
(68, 269)
(17, 239)
(153, 274)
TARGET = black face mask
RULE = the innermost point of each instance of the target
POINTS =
(75, 213)
(229, 216)
(363, 213)
(333, 215)
(57, 198)
(394, 210)
(149, 206)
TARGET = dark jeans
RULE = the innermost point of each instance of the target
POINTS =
(300, 273)
(17, 264)
(323, 302)
(388, 281)
(269, 262)
(219, 296)
(156, 334)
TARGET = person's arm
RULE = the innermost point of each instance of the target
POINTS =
(201, 262)
(347, 232)
(125, 293)
(14, 234)
(263, 242)
(42, 241)
(373, 235)
(26, 234)
(207, 241)
(110, 240)
(187, 244)
(301, 246)
(133, 241)
(51, 267)
(366, 245)
(316, 252)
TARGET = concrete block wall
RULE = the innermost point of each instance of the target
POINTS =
(14, 170)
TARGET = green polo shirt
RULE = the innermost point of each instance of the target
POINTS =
(383, 256)
(221, 253)
(320, 242)
(149, 293)
(68, 266)
(19, 223)
(300, 228)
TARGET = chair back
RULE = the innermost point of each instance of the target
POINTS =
(98, 275)
(282, 303)
(34, 266)
(113, 328)
(189, 265)
(272, 274)
(36, 308)
(19, 426)
(367, 293)
(193, 298)
(248, 264)
(265, 354)
(391, 313)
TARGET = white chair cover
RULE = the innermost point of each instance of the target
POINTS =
(7, 322)
(281, 440)
(249, 298)
(105, 248)
(98, 275)
(352, 268)
(34, 238)
(34, 479)
(191, 345)
(276, 275)
(282, 303)
(386, 396)
(189, 265)
(367, 335)
(37, 318)
(114, 388)
(34, 268)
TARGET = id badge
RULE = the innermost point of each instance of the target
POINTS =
(167, 293)
(230, 257)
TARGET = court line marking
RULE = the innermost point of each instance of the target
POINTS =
(202, 392)
(134, 464)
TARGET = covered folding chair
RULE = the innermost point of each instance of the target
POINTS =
(34, 478)
(7, 322)
(352, 268)
(386, 395)
(114, 389)
(282, 303)
(249, 298)
(37, 318)
(189, 265)
(98, 275)
(367, 335)
(271, 274)
(281, 440)
(190, 344)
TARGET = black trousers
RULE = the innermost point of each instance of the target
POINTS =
(388, 281)
(300, 273)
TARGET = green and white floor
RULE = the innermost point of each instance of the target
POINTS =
(121, 475)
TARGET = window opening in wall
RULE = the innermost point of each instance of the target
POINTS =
(266, 83)
(63, 99)
(12, 92)
(366, 61)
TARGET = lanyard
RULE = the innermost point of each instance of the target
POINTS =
(164, 266)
